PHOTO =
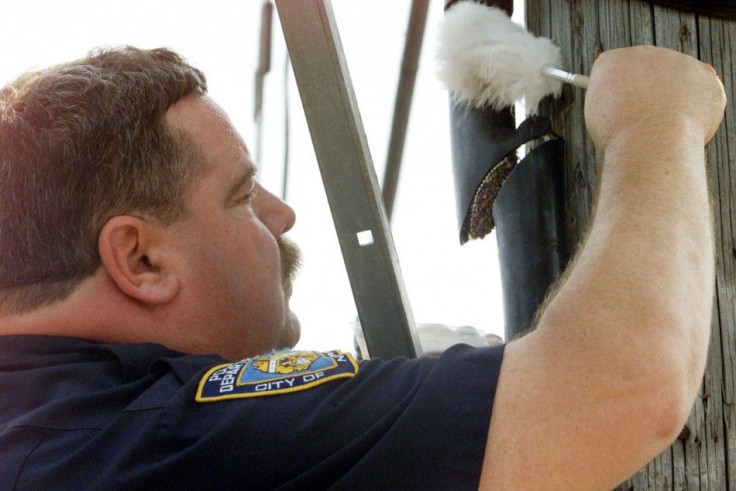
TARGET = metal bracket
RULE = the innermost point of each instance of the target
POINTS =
(349, 177)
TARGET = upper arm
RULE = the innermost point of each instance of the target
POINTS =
(558, 423)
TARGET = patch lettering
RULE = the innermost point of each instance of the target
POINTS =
(274, 373)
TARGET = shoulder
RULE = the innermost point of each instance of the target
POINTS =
(279, 372)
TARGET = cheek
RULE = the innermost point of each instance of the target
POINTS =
(254, 256)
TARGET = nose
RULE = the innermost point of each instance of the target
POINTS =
(275, 214)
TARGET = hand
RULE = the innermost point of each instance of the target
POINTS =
(645, 90)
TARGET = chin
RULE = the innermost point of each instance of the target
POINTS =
(287, 338)
(293, 330)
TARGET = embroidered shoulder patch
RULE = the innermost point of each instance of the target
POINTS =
(274, 373)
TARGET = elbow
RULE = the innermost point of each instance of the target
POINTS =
(669, 415)
(658, 392)
(682, 378)
(667, 373)
(666, 406)
(646, 425)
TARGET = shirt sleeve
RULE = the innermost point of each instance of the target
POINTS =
(401, 424)
(437, 424)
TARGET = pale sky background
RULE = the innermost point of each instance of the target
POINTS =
(445, 283)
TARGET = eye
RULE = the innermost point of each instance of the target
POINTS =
(248, 197)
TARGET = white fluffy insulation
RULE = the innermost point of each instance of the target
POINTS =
(486, 59)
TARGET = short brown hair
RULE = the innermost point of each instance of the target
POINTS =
(80, 143)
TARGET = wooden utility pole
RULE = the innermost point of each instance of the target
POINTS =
(704, 456)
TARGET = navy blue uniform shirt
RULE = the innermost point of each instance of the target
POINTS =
(75, 414)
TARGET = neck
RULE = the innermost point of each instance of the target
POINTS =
(93, 311)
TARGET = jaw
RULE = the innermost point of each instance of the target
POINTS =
(295, 326)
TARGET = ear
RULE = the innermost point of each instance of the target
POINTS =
(131, 252)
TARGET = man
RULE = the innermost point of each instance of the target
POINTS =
(141, 259)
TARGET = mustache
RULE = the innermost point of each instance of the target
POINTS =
(291, 259)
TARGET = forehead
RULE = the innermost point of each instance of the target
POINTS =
(209, 128)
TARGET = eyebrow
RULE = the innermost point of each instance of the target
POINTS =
(247, 175)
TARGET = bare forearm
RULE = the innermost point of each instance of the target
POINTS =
(643, 282)
(645, 274)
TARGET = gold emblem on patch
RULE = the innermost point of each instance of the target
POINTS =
(285, 362)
